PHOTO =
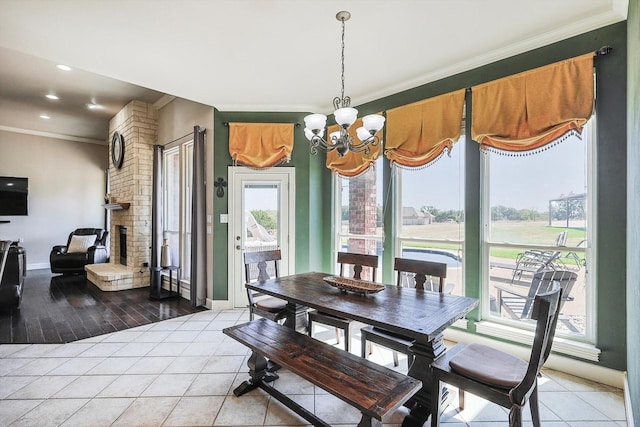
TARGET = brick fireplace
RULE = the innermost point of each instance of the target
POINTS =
(130, 189)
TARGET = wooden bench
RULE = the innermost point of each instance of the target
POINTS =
(371, 388)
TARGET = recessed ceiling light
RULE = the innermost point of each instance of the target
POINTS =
(63, 67)
(94, 106)
(52, 96)
(44, 116)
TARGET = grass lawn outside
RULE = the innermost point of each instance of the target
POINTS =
(512, 232)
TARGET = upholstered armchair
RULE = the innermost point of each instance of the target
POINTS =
(84, 246)
(13, 266)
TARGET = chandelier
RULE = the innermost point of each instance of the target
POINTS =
(345, 116)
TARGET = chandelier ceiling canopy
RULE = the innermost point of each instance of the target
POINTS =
(345, 116)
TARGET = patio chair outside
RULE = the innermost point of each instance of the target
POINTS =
(518, 305)
(536, 260)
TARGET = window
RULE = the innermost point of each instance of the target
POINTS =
(538, 229)
(178, 176)
(430, 219)
(360, 215)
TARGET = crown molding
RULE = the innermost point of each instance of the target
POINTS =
(52, 135)
(540, 40)
(164, 100)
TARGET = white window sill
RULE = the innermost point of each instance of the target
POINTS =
(560, 345)
(495, 335)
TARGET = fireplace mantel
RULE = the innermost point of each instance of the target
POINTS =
(116, 206)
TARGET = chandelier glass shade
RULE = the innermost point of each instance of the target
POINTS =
(345, 116)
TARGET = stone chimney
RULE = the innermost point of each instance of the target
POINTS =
(130, 189)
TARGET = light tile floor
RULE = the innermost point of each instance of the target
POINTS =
(181, 372)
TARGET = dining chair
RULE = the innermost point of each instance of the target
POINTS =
(498, 376)
(256, 268)
(357, 261)
(408, 269)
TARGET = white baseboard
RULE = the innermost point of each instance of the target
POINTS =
(627, 402)
(185, 292)
(218, 304)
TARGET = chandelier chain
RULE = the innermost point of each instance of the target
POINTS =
(341, 141)
(342, 58)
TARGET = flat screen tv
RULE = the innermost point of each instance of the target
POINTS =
(13, 195)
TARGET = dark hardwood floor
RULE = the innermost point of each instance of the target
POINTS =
(58, 309)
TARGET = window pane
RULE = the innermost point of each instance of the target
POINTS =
(172, 204)
(362, 202)
(362, 215)
(539, 201)
(188, 197)
(533, 198)
(432, 198)
(432, 224)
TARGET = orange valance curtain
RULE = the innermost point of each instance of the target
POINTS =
(260, 145)
(526, 111)
(352, 164)
(418, 133)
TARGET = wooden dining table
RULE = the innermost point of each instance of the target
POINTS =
(419, 314)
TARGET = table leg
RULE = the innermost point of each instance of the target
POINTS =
(420, 404)
(258, 373)
(297, 317)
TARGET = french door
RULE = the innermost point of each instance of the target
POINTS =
(261, 217)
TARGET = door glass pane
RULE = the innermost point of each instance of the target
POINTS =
(261, 219)
(540, 202)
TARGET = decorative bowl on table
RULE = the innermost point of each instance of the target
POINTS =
(353, 285)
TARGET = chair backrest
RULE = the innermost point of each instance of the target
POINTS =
(561, 239)
(260, 260)
(543, 281)
(4, 252)
(421, 269)
(100, 236)
(358, 261)
(546, 308)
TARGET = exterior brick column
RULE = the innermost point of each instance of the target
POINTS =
(363, 214)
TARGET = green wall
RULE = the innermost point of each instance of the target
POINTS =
(611, 136)
(633, 209)
(314, 183)
(310, 196)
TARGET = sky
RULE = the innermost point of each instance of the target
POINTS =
(519, 182)
(261, 198)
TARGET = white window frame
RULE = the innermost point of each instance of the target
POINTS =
(185, 165)
(398, 203)
(582, 347)
(337, 215)
(397, 225)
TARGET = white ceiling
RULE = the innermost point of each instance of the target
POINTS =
(263, 55)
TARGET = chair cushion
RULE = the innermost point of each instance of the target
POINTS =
(271, 304)
(489, 366)
(81, 243)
